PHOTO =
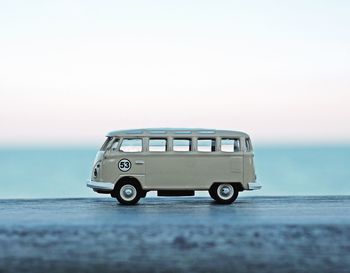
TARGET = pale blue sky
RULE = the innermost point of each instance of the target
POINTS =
(72, 70)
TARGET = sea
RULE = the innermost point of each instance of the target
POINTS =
(286, 170)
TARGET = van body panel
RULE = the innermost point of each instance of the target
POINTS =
(184, 170)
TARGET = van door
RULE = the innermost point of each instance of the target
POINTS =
(171, 169)
(124, 158)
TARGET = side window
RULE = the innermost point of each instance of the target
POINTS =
(157, 145)
(131, 145)
(206, 145)
(248, 146)
(182, 145)
(115, 145)
(230, 145)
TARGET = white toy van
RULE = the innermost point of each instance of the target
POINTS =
(174, 162)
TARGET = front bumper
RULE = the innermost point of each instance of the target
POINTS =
(100, 186)
(254, 186)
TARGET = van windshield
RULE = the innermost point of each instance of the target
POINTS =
(105, 144)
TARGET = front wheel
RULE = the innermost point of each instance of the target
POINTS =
(128, 193)
(224, 193)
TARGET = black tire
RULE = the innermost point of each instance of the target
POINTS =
(224, 193)
(128, 192)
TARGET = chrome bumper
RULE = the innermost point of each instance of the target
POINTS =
(106, 186)
(254, 186)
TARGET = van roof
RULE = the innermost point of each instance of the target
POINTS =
(176, 131)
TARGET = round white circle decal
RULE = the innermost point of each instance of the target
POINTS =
(124, 165)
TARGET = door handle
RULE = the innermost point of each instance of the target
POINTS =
(139, 162)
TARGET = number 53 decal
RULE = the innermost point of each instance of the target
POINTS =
(124, 165)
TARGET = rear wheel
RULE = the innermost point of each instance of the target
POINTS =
(224, 193)
(128, 193)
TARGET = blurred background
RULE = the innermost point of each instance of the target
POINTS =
(70, 71)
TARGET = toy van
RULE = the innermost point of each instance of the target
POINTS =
(174, 162)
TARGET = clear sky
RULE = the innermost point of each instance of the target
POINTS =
(72, 70)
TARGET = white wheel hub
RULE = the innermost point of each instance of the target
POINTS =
(128, 192)
(225, 191)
